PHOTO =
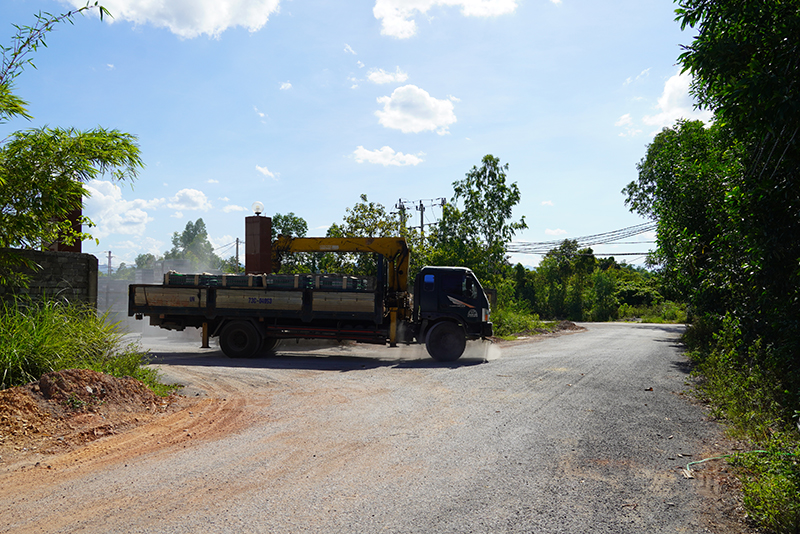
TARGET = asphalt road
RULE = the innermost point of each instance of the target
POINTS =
(585, 432)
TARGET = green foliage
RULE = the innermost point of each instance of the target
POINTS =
(511, 320)
(294, 226)
(728, 211)
(663, 312)
(371, 219)
(29, 38)
(476, 237)
(289, 224)
(771, 487)
(42, 170)
(123, 272)
(603, 303)
(192, 244)
(37, 337)
(682, 185)
(146, 261)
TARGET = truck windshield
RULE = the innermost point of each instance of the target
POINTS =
(462, 285)
(470, 287)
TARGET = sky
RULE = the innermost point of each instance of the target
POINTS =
(304, 105)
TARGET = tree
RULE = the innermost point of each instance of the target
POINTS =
(42, 171)
(745, 61)
(146, 261)
(684, 184)
(364, 219)
(293, 226)
(289, 225)
(192, 244)
(477, 236)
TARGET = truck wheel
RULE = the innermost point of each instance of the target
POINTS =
(240, 339)
(445, 342)
(268, 345)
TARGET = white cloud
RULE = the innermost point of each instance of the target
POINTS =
(259, 112)
(177, 215)
(676, 103)
(386, 156)
(191, 18)
(360, 65)
(349, 49)
(380, 76)
(547, 203)
(626, 121)
(114, 215)
(557, 231)
(397, 16)
(412, 110)
(266, 172)
(189, 199)
(285, 86)
(212, 181)
(644, 74)
(232, 207)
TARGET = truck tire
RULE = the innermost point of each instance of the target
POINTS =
(268, 345)
(240, 339)
(445, 341)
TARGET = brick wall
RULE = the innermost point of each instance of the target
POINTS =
(68, 275)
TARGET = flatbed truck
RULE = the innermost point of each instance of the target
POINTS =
(249, 313)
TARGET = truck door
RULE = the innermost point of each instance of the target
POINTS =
(461, 294)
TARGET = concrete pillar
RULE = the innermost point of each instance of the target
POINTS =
(258, 245)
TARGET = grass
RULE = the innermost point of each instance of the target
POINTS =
(511, 320)
(37, 337)
(771, 487)
(665, 312)
(756, 396)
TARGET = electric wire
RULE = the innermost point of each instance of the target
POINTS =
(615, 236)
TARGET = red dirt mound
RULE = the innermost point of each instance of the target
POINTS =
(67, 408)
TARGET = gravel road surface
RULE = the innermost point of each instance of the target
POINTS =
(584, 432)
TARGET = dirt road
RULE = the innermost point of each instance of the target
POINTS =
(586, 432)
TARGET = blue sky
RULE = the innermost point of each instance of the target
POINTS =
(305, 105)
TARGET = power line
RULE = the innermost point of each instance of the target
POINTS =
(543, 247)
(420, 205)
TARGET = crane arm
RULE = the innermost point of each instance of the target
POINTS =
(394, 249)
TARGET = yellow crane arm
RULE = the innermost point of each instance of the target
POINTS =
(394, 249)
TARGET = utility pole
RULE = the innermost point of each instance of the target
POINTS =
(237, 254)
(109, 263)
(401, 205)
(420, 206)
(421, 209)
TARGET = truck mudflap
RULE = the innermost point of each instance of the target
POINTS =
(486, 330)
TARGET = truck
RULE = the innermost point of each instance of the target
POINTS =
(250, 313)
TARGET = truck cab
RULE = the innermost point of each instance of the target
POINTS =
(450, 307)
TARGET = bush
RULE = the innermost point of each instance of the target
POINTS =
(750, 386)
(666, 312)
(771, 488)
(513, 319)
(37, 337)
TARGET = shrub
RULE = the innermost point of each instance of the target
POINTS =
(665, 312)
(37, 337)
(513, 319)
